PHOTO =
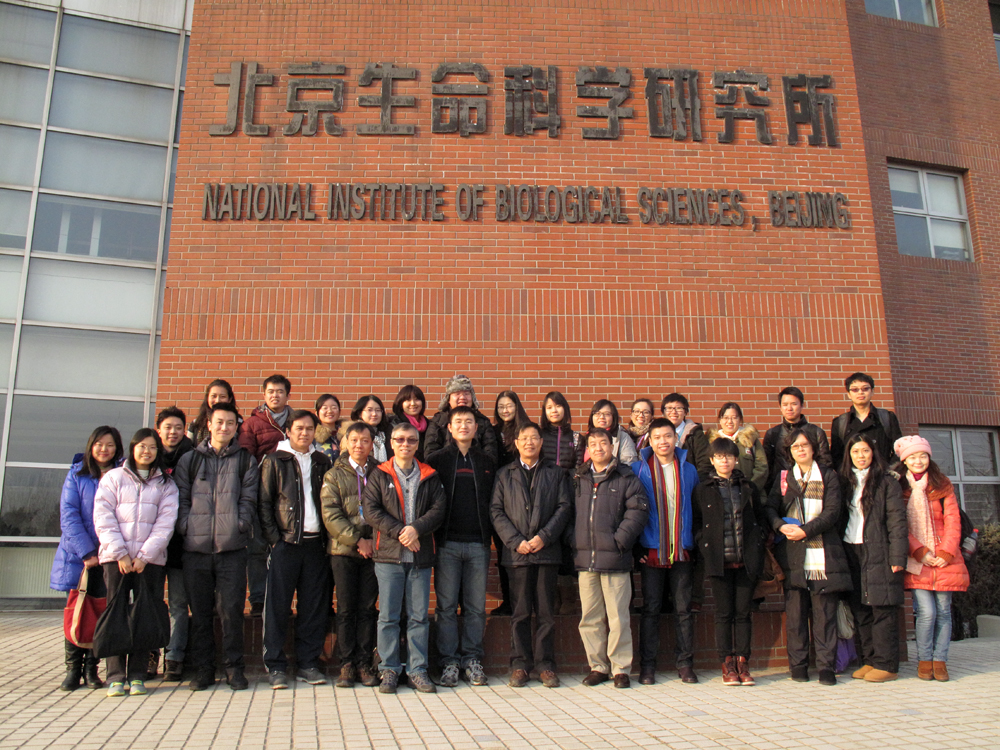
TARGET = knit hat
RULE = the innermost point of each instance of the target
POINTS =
(909, 444)
(457, 384)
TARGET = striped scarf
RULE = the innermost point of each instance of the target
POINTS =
(669, 527)
(804, 511)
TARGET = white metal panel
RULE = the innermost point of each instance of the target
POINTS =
(163, 13)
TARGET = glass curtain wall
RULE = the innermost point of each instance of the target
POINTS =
(89, 109)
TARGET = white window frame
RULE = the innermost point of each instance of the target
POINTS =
(959, 480)
(898, 17)
(927, 215)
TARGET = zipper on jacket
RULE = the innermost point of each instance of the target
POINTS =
(593, 539)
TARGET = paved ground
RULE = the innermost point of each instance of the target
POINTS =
(777, 713)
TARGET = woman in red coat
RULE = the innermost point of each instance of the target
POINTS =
(935, 567)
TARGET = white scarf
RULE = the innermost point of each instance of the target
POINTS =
(815, 565)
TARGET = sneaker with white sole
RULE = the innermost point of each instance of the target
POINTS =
(137, 687)
(116, 690)
(474, 673)
(449, 676)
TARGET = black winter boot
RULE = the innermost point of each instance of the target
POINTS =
(74, 667)
(90, 676)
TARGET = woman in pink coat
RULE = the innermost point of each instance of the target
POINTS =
(935, 568)
(135, 510)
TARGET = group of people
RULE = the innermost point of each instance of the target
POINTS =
(298, 503)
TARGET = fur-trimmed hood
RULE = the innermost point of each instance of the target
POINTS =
(745, 438)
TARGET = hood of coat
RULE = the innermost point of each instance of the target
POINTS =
(286, 446)
(389, 468)
(745, 438)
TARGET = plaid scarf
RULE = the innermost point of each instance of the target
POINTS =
(805, 510)
(670, 528)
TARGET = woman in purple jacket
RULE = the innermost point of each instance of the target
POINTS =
(78, 545)
(135, 511)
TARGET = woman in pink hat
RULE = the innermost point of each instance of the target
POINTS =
(935, 567)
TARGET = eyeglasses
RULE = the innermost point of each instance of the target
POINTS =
(642, 412)
(406, 441)
(674, 409)
(146, 448)
(864, 389)
(605, 414)
(372, 410)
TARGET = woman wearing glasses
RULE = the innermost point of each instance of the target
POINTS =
(642, 415)
(752, 462)
(370, 410)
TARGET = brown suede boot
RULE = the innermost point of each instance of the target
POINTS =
(940, 670)
(925, 671)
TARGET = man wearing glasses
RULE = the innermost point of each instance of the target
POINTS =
(404, 503)
(690, 435)
(880, 425)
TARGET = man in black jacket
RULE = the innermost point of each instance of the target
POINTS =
(404, 503)
(291, 480)
(217, 492)
(531, 507)
(458, 391)
(463, 550)
(790, 402)
(879, 425)
(611, 512)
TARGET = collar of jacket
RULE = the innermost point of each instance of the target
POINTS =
(344, 461)
(205, 447)
(680, 453)
(588, 468)
(389, 467)
(789, 426)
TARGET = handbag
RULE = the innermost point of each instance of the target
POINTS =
(82, 613)
(112, 635)
(135, 621)
(149, 621)
(771, 577)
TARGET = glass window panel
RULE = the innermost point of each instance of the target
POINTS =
(95, 165)
(177, 124)
(78, 226)
(22, 93)
(100, 106)
(156, 366)
(62, 291)
(166, 235)
(46, 429)
(6, 346)
(881, 7)
(941, 447)
(117, 49)
(911, 235)
(905, 187)
(173, 177)
(996, 42)
(14, 209)
(10, 284)
(26, 34)
(31, 501)
(982, 503)
(978, 453)
(184, 62)
(943, 195)
(949, 240)
(20, 152)
(916, 11)
(994, 18)
(159, 306)
(98, 362)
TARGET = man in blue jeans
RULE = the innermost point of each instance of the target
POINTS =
(404, 503)
(463, 550)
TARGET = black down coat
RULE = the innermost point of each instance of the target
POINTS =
(281, 506)
(610, 516)
(709, 510)
(792, 555)
(520, 513)
(886, 541)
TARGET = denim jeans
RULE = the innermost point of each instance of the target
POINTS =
(933, 611)
(395, 579)
(177, 602)
(461, 567)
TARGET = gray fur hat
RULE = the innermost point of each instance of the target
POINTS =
(457, 384)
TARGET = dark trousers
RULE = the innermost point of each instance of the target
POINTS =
(657, 585)
(733, 593)
(300, 571)
(502, 570)
(877, 627)
(215, 579)
(357, 592)
(533, 589)
(801, 605)
(133, 666)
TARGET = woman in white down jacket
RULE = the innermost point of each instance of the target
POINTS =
(135, 510)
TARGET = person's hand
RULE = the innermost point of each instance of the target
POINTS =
(933, 561)
(409, 537)
(792, 532)
(536, 544)
(524, 548)
(365, 548)
(138, 565)
(125, 565)
(897, 568)
(91, 562)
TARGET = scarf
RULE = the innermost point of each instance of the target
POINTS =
(419, 422)
(918, 518)
(681, 431)
(669, 548)
(805, 511)
(378, 447)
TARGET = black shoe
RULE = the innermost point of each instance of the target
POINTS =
(687, 675)
(90, 677)
(277, 680)
(312, 675)
(800, 674)
(74, 666)
(595, 678)
(204, 680)
(174, 671)
(256, 609)
(504, 610)
(827, 677)
(72, 681)
(647, 676)
(237, 680)
(622, 680)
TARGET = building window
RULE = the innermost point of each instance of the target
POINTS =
(929, 208)
(995, 18)
(916, 11)
(968, 456)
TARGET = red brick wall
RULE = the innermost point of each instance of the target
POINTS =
(593, 310)
(927, 98)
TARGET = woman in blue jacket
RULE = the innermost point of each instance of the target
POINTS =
(78, 545)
